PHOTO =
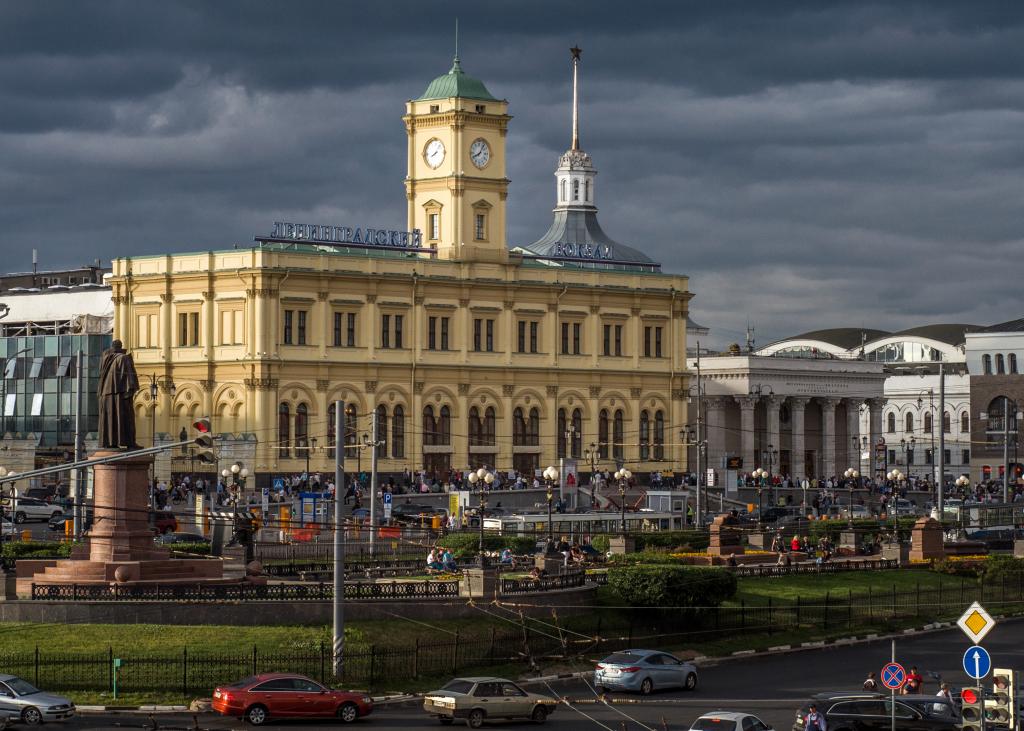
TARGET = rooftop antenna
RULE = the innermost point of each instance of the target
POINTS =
(575, 51)
(456, 40)
(750, 338)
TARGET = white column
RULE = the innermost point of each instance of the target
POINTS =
(771, 410)
(853, 432)
(747, 404)
(715, 431)
(798, 449)
(875, 431)
(828, 436)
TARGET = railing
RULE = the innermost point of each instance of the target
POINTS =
(547, 583)
(826, 567)
(244, 592)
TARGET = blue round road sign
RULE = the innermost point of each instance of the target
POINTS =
(894, 676)
(977, 662)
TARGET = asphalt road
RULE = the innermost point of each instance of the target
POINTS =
(771, 687)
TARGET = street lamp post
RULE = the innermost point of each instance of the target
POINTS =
(759, 474)
(154, 388)
(592, 455)
(895, 476)
(550, 476)
(623, 475)
(696, 439)
(851, 476)
(908, 450)
(771, 456)
(484, 479)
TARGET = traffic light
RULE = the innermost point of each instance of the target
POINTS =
(204, 440)
(971, 709)
(1000, 710)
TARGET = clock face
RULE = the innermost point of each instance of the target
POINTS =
(480, 152)
(433, 153)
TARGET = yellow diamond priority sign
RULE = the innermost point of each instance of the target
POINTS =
(976, 623)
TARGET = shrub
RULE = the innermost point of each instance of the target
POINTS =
(465, 545)
(35, 549)
(200, 548)
(643, 557)
(672, 586)
(686, 540)
(1000, 568)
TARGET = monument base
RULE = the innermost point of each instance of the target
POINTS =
(479, 583)
(621, 544)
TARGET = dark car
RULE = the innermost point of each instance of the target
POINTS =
(775, 512)
(259, 698)
(997, 539)
(57, 522)
(170, 539)
(874, 711)
(413, 513)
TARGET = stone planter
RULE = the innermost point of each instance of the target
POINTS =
(621, 544)
(898, 551)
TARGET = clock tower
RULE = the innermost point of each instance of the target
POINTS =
(456, 186)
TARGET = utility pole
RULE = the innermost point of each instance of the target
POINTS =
(1006, 447)
(701, 449)
(77, 493)
(338, 644)
(373, 483)
(942, 438)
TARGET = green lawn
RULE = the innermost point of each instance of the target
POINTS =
(811, 586)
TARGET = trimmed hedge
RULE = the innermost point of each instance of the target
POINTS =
(684, 540)
(672, 586)
(35, 549)
(465, 545)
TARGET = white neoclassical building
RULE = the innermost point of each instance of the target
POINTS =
(791, 415)
(915, 407)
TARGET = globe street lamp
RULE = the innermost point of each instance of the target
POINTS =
(851, 476)
(592, 455)
(896, 476)
(484, 479)
(759, 474)
(550, 475)
(623, 475)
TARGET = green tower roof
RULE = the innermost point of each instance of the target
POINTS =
(457, 83)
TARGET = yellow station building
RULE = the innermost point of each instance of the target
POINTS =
(471, 352)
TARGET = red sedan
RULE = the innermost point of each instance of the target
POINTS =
(259, 698)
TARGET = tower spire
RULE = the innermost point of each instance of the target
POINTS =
(575, 51)
(456, 40)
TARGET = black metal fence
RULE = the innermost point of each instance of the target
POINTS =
(810, 567)
(590, 636)
(193, 593)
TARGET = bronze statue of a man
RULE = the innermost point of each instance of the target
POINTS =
(118, 384)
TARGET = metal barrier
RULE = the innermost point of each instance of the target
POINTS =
(810, 567)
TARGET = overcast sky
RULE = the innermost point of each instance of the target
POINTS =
(807, 165)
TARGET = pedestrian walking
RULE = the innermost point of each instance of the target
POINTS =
(870, 684)
(814, 721)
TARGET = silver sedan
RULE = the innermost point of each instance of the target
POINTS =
(22, 700)
(643, 671)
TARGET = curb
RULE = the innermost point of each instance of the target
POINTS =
(386, 700)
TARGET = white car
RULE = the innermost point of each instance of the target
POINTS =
(729, 721)
(29, 508)
(7, 530)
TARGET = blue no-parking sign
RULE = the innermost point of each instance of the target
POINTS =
(977, 662)
(894, 676)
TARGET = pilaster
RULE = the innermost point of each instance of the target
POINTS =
(828, 436)
(798, 452)
(747, 404)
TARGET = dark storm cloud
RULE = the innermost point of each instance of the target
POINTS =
(807, 164)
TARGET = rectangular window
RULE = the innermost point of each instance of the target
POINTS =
(398, 331)
(477, 322)
(9, 402)
(337, 329)
(533, 336)
(657, 342)
(647, 342)
(929, 457)
(618, 340)
(289, 316)
(444, 333)
(892, 456)
(193, 328)
(36, 370)
(37, 404)
(188, 329)
(435, 226)
(479, 227)
(182, 329)
(946, 456)
(606, 348)
(64, 367)
(385, 331)
(431, 333)
(350, 337)
(522, 337)
(965, 457)
(565, 338)
(576, 337)
(489, 344)
(239, 332)
(302, 327)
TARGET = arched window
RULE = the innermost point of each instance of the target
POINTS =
(533, 431)
(659, 435)
(444, 428)
(1000, 364)
(986, 364)
(645, 436)
(965, 423)
(945, 422)
(284, 430)
(518, 428)
(586, 191)
(474, 427)
(575, 190)
(909, 425)
(488, 435)
(577, 433)
(561, 432)
(332, 419)
(928, 423)
(382, 432)
(301, 430)
(429, 427)
(891, 422)
(398, 433)
(602, 433)
(1013, 363)
(565, 193)
(618, 449)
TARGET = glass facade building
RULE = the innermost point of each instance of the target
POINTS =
(38, 395)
